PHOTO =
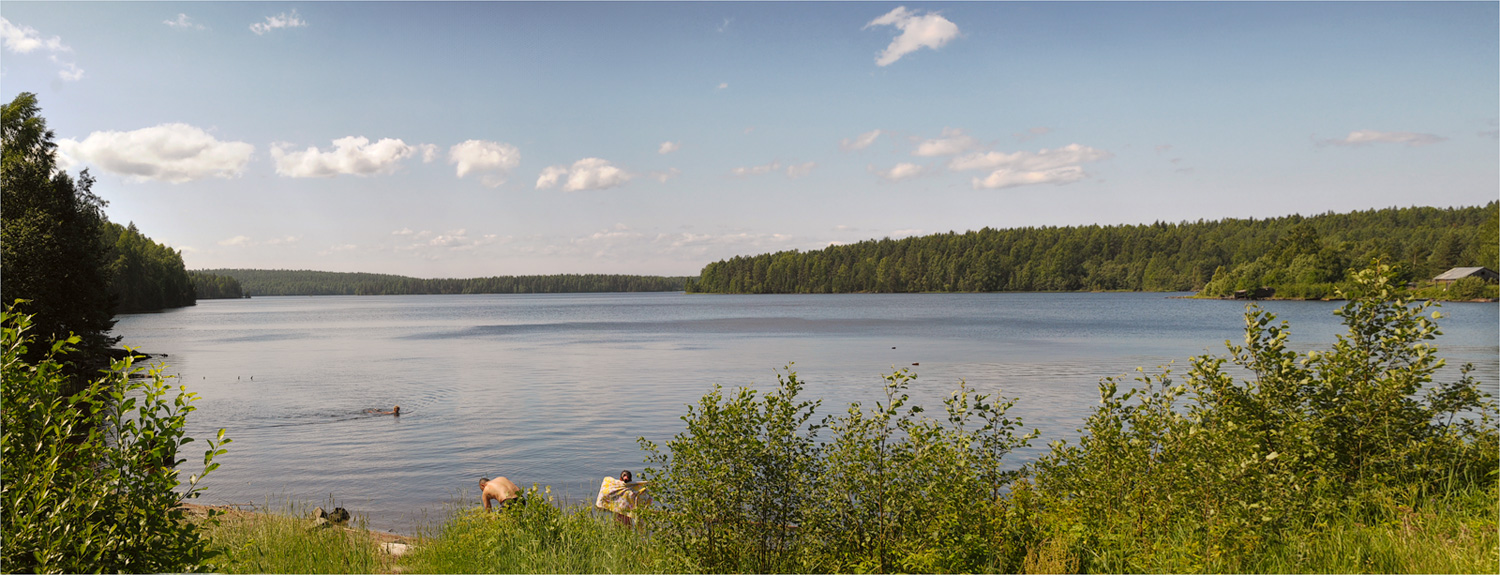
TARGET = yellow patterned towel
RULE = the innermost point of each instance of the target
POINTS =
(620, 497)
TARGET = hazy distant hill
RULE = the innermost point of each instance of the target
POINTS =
(307, 282)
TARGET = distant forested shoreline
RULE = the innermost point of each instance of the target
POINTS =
(306, 282)
(1298, 256)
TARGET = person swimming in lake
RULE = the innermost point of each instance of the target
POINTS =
(396, 411)
(622, 497)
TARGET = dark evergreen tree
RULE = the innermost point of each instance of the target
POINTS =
(53, 253)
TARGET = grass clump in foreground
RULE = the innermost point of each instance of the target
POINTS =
(288, 543)
(536, 536)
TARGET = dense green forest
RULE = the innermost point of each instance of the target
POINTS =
(305, 282)
(1420, 242)
(144, 275)
(210, 286)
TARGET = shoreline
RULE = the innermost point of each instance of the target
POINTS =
(196, 512)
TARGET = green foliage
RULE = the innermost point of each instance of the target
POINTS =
(89, 477)
(534, 535)
(286, 543)
(1242, 468)
(748, 487)
(303, 282)
(738, 482)
(144, 275)
(51, 250)
(1304, 256)
(210, 286)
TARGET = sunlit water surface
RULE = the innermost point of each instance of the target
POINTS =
(555, 389)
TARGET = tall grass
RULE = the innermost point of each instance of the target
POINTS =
(287, 542)
(538, 536)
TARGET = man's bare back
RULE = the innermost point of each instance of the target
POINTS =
(499, 489)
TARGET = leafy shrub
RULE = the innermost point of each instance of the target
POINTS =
(748, 486)
(1356, 431)
(89, 479)
(1470, 288)
(738, 481)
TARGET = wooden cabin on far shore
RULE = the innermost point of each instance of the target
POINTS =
(1456, 274)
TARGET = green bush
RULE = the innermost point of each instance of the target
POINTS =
(1470, 288)
(88, 479)
(1352, 433)
(748, 486)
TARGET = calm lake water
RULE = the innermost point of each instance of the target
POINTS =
(555, 389)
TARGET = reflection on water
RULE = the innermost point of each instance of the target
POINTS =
(555, 389)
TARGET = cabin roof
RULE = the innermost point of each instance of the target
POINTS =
(1460, 273)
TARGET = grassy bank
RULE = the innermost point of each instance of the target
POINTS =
(1456, 533)
(286, 541)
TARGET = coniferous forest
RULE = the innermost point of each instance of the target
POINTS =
(144, 275)
(306, 282)
(1300, 256)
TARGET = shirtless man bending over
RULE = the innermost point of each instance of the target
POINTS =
(499, 489)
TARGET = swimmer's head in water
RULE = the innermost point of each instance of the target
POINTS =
(625, 476)
(396, 411)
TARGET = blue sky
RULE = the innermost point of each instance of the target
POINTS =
(474, 139)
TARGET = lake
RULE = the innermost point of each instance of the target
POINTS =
(555, 389)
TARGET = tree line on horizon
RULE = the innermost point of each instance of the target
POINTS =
(1289, 251)
(307, 282)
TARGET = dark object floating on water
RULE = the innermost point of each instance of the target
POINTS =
(916, 363)
(893, 347)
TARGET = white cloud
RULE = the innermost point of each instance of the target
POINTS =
(953, 141)
(1009, 178)
(918, 31)
(282, 20)
(1056, 166)
(798, 170)
(169, 152)
(429, 152)
(24, 39)
(668, 147)
(69, 71)
(1071, 154)
(667, 175)
(1365, 137)
(453, 241)
(901, 171)
(183, 21)
(492, 160)
(246, 241)
(585, 174)
(1032, 133)
(723, 85)
(762, 169)
(906, 232)
(338, 249)
(352, 155)
(860, 142)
